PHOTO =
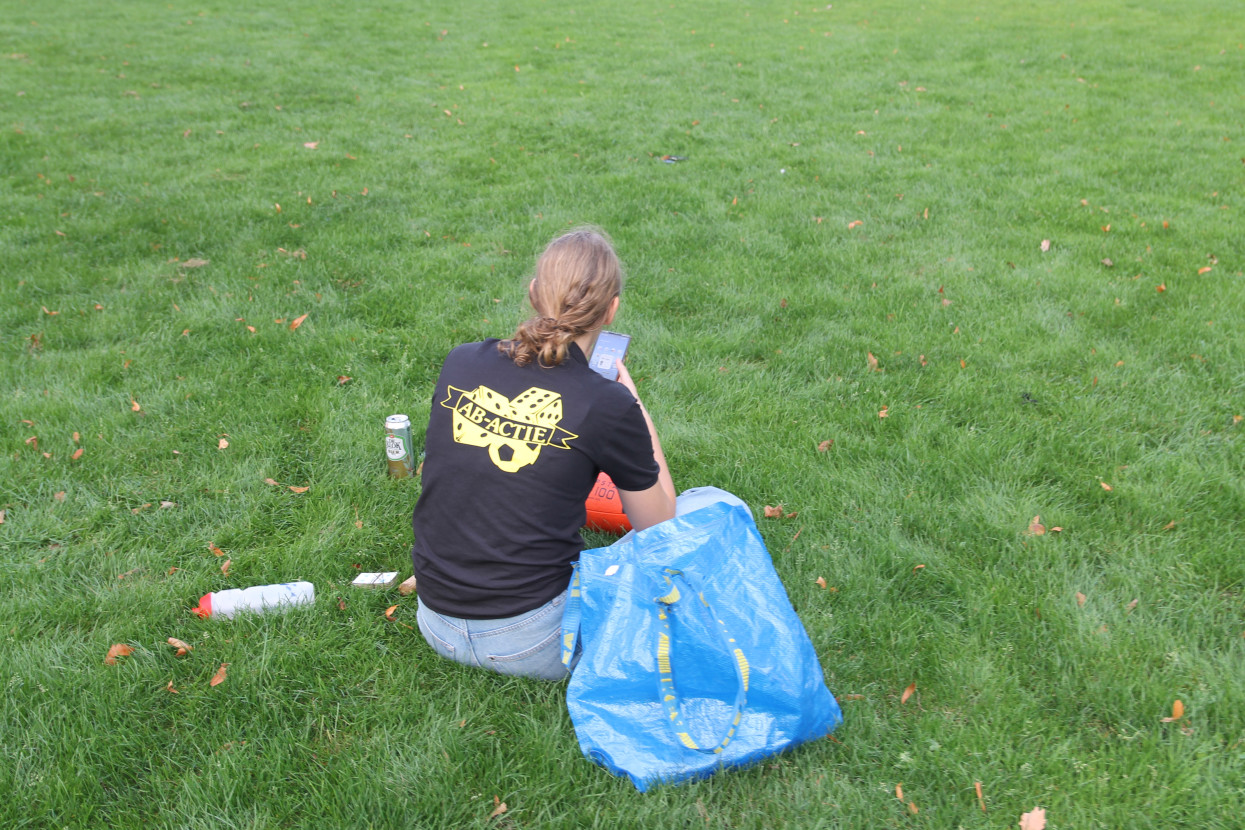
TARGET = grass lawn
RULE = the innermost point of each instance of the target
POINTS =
(928, 271)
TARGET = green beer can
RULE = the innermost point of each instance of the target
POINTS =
(398, 446)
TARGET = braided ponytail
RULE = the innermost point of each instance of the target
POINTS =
(577, 277)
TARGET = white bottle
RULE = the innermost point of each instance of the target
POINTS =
(259, 599)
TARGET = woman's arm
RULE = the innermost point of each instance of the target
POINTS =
(646, 508)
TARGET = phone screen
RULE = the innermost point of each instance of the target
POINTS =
(611, 347)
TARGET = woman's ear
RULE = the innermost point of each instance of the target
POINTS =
(531, 293)
(609, 315)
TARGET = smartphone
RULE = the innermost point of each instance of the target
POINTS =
(611, 347)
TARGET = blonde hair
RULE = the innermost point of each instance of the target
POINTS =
(577, 277)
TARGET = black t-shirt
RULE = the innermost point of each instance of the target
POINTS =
(511, 455)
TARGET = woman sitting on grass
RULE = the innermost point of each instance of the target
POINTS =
(519, 430)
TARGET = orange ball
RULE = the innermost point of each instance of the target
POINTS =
(605, 510)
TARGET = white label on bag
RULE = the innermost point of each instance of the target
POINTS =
(611, 570)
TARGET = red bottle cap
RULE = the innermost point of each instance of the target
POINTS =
(205, 606)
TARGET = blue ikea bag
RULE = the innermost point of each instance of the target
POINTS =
(692, 657)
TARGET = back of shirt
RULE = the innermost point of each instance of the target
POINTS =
(511, 454)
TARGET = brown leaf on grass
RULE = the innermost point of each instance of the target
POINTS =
(2, 512)
(916, 568)
(825, 445)
(222, 444)
(499, 807)
(341, 604)
(856, 224)
(183, 648)
(907, 692)
(1161, 287)
(1203, 270)
(1106, 486)
(924, 362)
(342, 380)
(33, 441)
(912, 808)
(899, 791)
(852, 697)
(165, 505)
(76, 454)
(884, 412)
(1128, 609)
(821, 581)
(389, 613)
(170, 688)
(299, 489)
(117, 650)
(298, 321)
(1177, 713)
(212, 547)
(225, 567)
(1035, 820)
(219, 677)
(59, 495)
(1045, 246)
(1169, 525)
(140, 508)
(272, 482)
(980, 799)
(311, 145)
(135, 406)
(872, 361)
(772, 512)
(195, 262)
(77, 438)
(1080, 599)
(1036, 528)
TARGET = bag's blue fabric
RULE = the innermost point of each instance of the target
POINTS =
(692, 657)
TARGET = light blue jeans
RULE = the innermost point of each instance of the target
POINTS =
(528, 644)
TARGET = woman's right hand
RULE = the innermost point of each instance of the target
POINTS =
(624, 377)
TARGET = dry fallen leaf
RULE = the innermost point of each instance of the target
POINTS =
(225, 567)
(1129, 608)
(311, 145)
(852, 697)
(825, 445)
(873, 362)
(59, 495)
(499, 807)
(907, 693)
(1045, 245)
(299, 489)
(1080, 599)
(855, 224)
(1161, 287)
(899, 791)
(298, 321)
(1177, 712)
(1036, 527)
(170, 688)
(117, 650)
(980, 799)
(1169, 525)
(2, 512)
(821, 581)
(219, 677)
(885, 411)
(76, 454)
(1203, 270)
(1106, 486)
(195, 262)
(342, 380)
(912, 808)
(773, 512)
(183, 648)
(389, 613)
(165, 505)
(212, 547)
(273, 483)
(1035, 820)
(134, 405)
(76, 438)
(222, 444)
(916, 568)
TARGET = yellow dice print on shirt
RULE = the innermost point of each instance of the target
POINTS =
(513, 431)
